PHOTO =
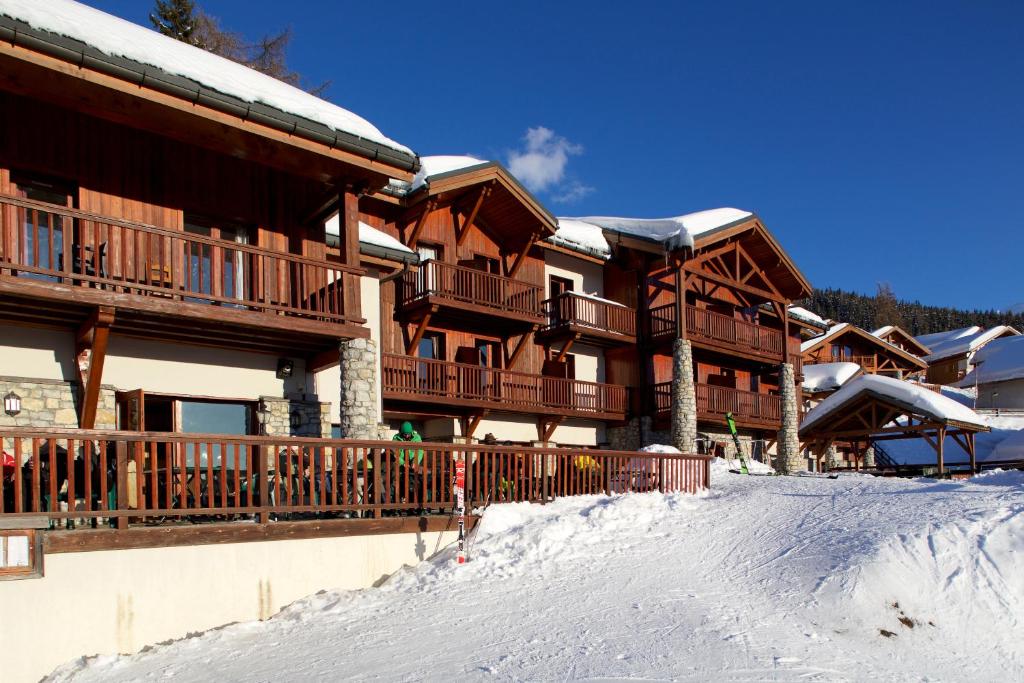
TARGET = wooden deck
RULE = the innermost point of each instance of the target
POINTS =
(463, 386)
(121, 479)
(719, 332)
(589, 320)
(56, 264)
(750, 409)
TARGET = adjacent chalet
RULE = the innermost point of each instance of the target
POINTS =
(997, 372)
(846, 343)
(902, 339)
(952, 351)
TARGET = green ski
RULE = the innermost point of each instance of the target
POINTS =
(736, 440)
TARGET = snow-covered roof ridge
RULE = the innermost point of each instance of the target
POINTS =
(828, 376)
(581, 236)
(435, 165)
(934, 338)
(829, 333)
(965, 341)
(909, 395)
(842, 327)
(807, 315)
(372, 237)
(883, 330)
(673, 232)
(120, 38)
(1002, 360)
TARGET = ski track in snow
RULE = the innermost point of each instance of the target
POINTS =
(764, 579)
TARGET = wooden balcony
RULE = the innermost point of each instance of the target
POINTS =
(591, 320)
(719, 332)
(56, 264)
(868, 362)
(459, 296)
(750, 409)
(419, 380)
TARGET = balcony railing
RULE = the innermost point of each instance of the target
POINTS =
(81, 479)
(715, 400)
(422, 379)
(867, 362)
(572, 309)
(718, 329)
(456, 285)
(50, 243)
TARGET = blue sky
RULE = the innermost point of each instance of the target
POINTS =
(880, 141)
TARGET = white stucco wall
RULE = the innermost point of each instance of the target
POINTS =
(36, 352)
(119, 601)
(586, 277)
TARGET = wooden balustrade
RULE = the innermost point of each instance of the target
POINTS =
(80, 478)
(411, 378)
(868, 362)
(572, 309)
(717, 400)
(50, 243)
(719, 329)
(461, 285)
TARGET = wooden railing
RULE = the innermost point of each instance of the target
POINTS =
(570, 308)
(868, 362)
(50, 243)
(721, 400)
(470, 286)
(702, 324)
(79, 478)
(419, 378)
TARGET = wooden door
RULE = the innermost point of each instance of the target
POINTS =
(131, 410)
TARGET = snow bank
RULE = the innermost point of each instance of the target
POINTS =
(828, 376)
(925, 401)
(581, 236)
(999, 361)
(119, 38)
(676, 232)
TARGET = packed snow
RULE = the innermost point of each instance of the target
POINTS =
(436, 165)
(828, 376)
(581, 236)
(964, 341)
(999, 361)
(766, 578)
(367, 235)
(676, 232)
(119, 38)
(801, 313)
(923, 400)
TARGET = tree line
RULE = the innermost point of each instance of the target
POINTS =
(872, 312)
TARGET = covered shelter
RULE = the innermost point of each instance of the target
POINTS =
(875, 408)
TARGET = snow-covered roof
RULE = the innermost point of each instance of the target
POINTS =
(828, 376)
(436, 165)
(934, 338)
(965, 341)
(840, 328)
(906, 394)
(1001, 360)
(884, 330)
(675, 232)
(829, 333)
(119, 38)
(806, 315)
(580, 236)
(370, 236)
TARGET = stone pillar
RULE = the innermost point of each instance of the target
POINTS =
(684, 398)
(790, 458)
(869, 457)
(358, 406)
(831, 458)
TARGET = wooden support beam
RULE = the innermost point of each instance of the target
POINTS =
(941, 438)
(323, 360)
(418, 334)
(732, 284)
(460, 235)
(349, 226)
(470, 423)
(680, 304)
(565, 347)
(90, 354)
(521, 257)
(512, 358)
(421, 220)
(546, 427)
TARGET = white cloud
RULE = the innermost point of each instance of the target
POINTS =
(572, 192)
(541, 164)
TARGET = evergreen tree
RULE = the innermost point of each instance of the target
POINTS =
(176, 19)
(887, 311)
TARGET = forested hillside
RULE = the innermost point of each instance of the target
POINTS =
(872, 312)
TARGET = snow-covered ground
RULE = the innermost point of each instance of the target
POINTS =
(765, 578)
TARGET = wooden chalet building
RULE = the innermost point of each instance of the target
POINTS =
(900, 338)
(953, 351)
(162, 260)
(846, 343)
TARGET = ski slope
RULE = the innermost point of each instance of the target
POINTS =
(765, 578)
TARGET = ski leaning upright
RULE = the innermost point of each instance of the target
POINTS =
(460, 503)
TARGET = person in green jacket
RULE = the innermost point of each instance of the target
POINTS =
(410, 465)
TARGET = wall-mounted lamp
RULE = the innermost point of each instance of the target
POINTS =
(12, 404)
(295, 419)
(285, 368)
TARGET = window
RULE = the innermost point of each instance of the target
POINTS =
(559, 285)
(428, 273)
(20, 554)
(431, 375)
(43, 232)
(213, 417)
(214, 270)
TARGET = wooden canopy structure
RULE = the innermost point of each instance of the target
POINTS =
(867, 416)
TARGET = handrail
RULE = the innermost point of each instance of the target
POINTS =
(721, 400)
(576, 309)
(86, 477)
(712, 326)
(49, 242)
(471, 286)
(444, 379)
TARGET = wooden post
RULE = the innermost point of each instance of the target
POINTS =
(349, 225)
(378, 492)
(263, 474)
(939, 445)
(680, 300)
(121, 450)
(971, 452)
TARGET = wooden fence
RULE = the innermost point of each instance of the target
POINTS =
(89, 477)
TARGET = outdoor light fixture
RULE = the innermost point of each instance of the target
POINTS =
(285, 368)
(295, 419)
(262, 415)
(12, 404)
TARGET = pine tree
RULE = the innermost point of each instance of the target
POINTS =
(176, 19)
(887, 310)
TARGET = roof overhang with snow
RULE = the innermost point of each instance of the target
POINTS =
(890, 332)
(838, 332)
(83, 58)
(966, 344)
